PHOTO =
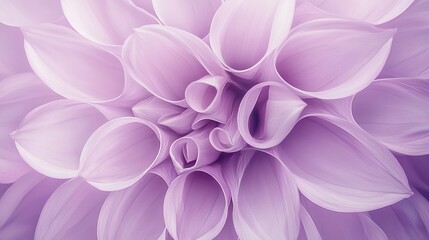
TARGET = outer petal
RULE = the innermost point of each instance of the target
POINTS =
(410, 49)
(405, 220)
(416, 168)
(310, 61)
(339, 167)
(263, 193)
(267, 114)
(196, 204)
(12, 57)
(19, 94)
(51, 137)
(27, 12)
(136, 212)
(335, 225)
(79, 75)
(145, 5)
(396, 112)
(106, 21)
(165, 60)
(121, 151)
(193, 150)
(71, 212)
(245, 32)
(228, 230)
(192, 16)
(21, 204)
(374, 12)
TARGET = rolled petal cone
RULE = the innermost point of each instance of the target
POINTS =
(122, 151)
(166, 60)
(196, 204)
(396, 112)
(19, 94)
(71, 212)
(193, 151)
(339, 167)
(245, 32)
(263, 192)
(267, 113)
(137, 212)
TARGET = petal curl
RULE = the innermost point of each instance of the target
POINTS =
(410, 49)
(122, 151)
(193, 150)
(79, 75)
(245, 32)
(165, 60)
(310, 62)
(263, 193)
(107, 22)
(396, 112)
(375, 12)
(51, 137)
(19, 95)
(136, 212)
(196, 204)
(341, 168)
(267, 113)
(21, 13)
(21, 204)
(71, 212)
(192, 16)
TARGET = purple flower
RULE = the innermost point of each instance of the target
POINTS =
(212, 119)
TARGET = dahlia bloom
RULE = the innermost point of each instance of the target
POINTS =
(214, 119)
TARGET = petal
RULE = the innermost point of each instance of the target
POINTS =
(245, 32)
(267, 114)
(396, 112)
(108, 21)
(410, 49)
(228, 230)
(19, 94)
(135, 212)
(359, 175)
(153, 109)
(165, 60)
(193, 151)
(196, 204)
(310, 62)
(79, 75)
(374, 12)
(416, 168)
(405, 220)
(308, 229)
(51, 137)
(12, 57)
(353, 226)
(71, 212)
(180, 123)
(192, 16)
(27, 12)
(263, 193)
(226, 137)
(145, 5)
(121, 151)
(21, 204)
